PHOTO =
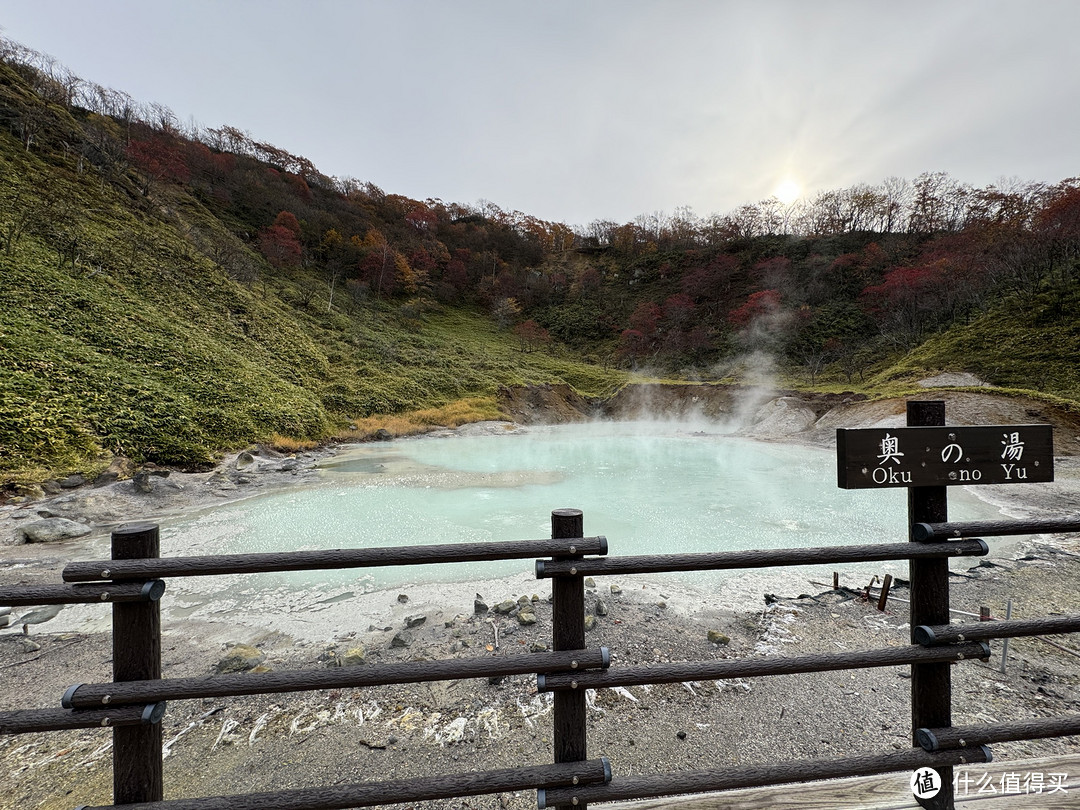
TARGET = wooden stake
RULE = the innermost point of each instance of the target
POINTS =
(1005, 643)
(884, 597)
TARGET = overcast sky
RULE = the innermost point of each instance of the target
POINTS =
(601, 109)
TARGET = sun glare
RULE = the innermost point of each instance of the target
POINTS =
(788, 191)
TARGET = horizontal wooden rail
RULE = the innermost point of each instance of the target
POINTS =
(940, 739)
(928, 635)
(645, 787)
(95, 695)
(743, 668)
(764, 558)
(992, 528)
(26, 721)
(589, 772)
(269, 562)
(136, 706)
(14, 595)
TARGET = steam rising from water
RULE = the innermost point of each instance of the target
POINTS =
(650, 488)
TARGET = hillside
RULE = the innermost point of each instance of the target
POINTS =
(121, 334)
(168, 293)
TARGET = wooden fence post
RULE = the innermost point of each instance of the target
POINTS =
(568, 633)
(931, 685)
(137, 766)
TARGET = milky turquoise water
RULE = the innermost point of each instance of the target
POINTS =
(649, 488)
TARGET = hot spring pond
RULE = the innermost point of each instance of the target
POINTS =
(649, 488)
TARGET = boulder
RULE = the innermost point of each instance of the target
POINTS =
(39, 615)
(590, 622)
(601, 607)
(240, 658)
(354, 656)
(244, 460)
(479, 605)
(716, 637)
(72, 481)
(414, 621)
(143, 482)
(505, 606)
(23, 644)
(51, 530)
(526, 617)
(120, 468)
(382, 435)
(28, 492)
(402, 638)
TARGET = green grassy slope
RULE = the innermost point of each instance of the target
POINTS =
(119, 336)
(1031, 345)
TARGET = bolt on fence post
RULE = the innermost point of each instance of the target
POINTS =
(137, 765)
(568, 633)
(931, 685)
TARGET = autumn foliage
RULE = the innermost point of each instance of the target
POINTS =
(757, 305)
(531, 335)
(866, 270)
(161, 159)
(280, 243)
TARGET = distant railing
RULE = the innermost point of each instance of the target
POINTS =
(134, 702)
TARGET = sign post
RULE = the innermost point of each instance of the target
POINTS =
(931, 684)
(926, 457)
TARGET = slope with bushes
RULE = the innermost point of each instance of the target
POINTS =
(121, 334)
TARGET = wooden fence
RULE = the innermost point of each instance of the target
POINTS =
(134, 702)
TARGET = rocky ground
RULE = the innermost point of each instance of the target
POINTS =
(224, 746)
(240, 745)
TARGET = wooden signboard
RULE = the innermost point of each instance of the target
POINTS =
(944, 456)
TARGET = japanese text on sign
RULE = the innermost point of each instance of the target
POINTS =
(944, 456)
